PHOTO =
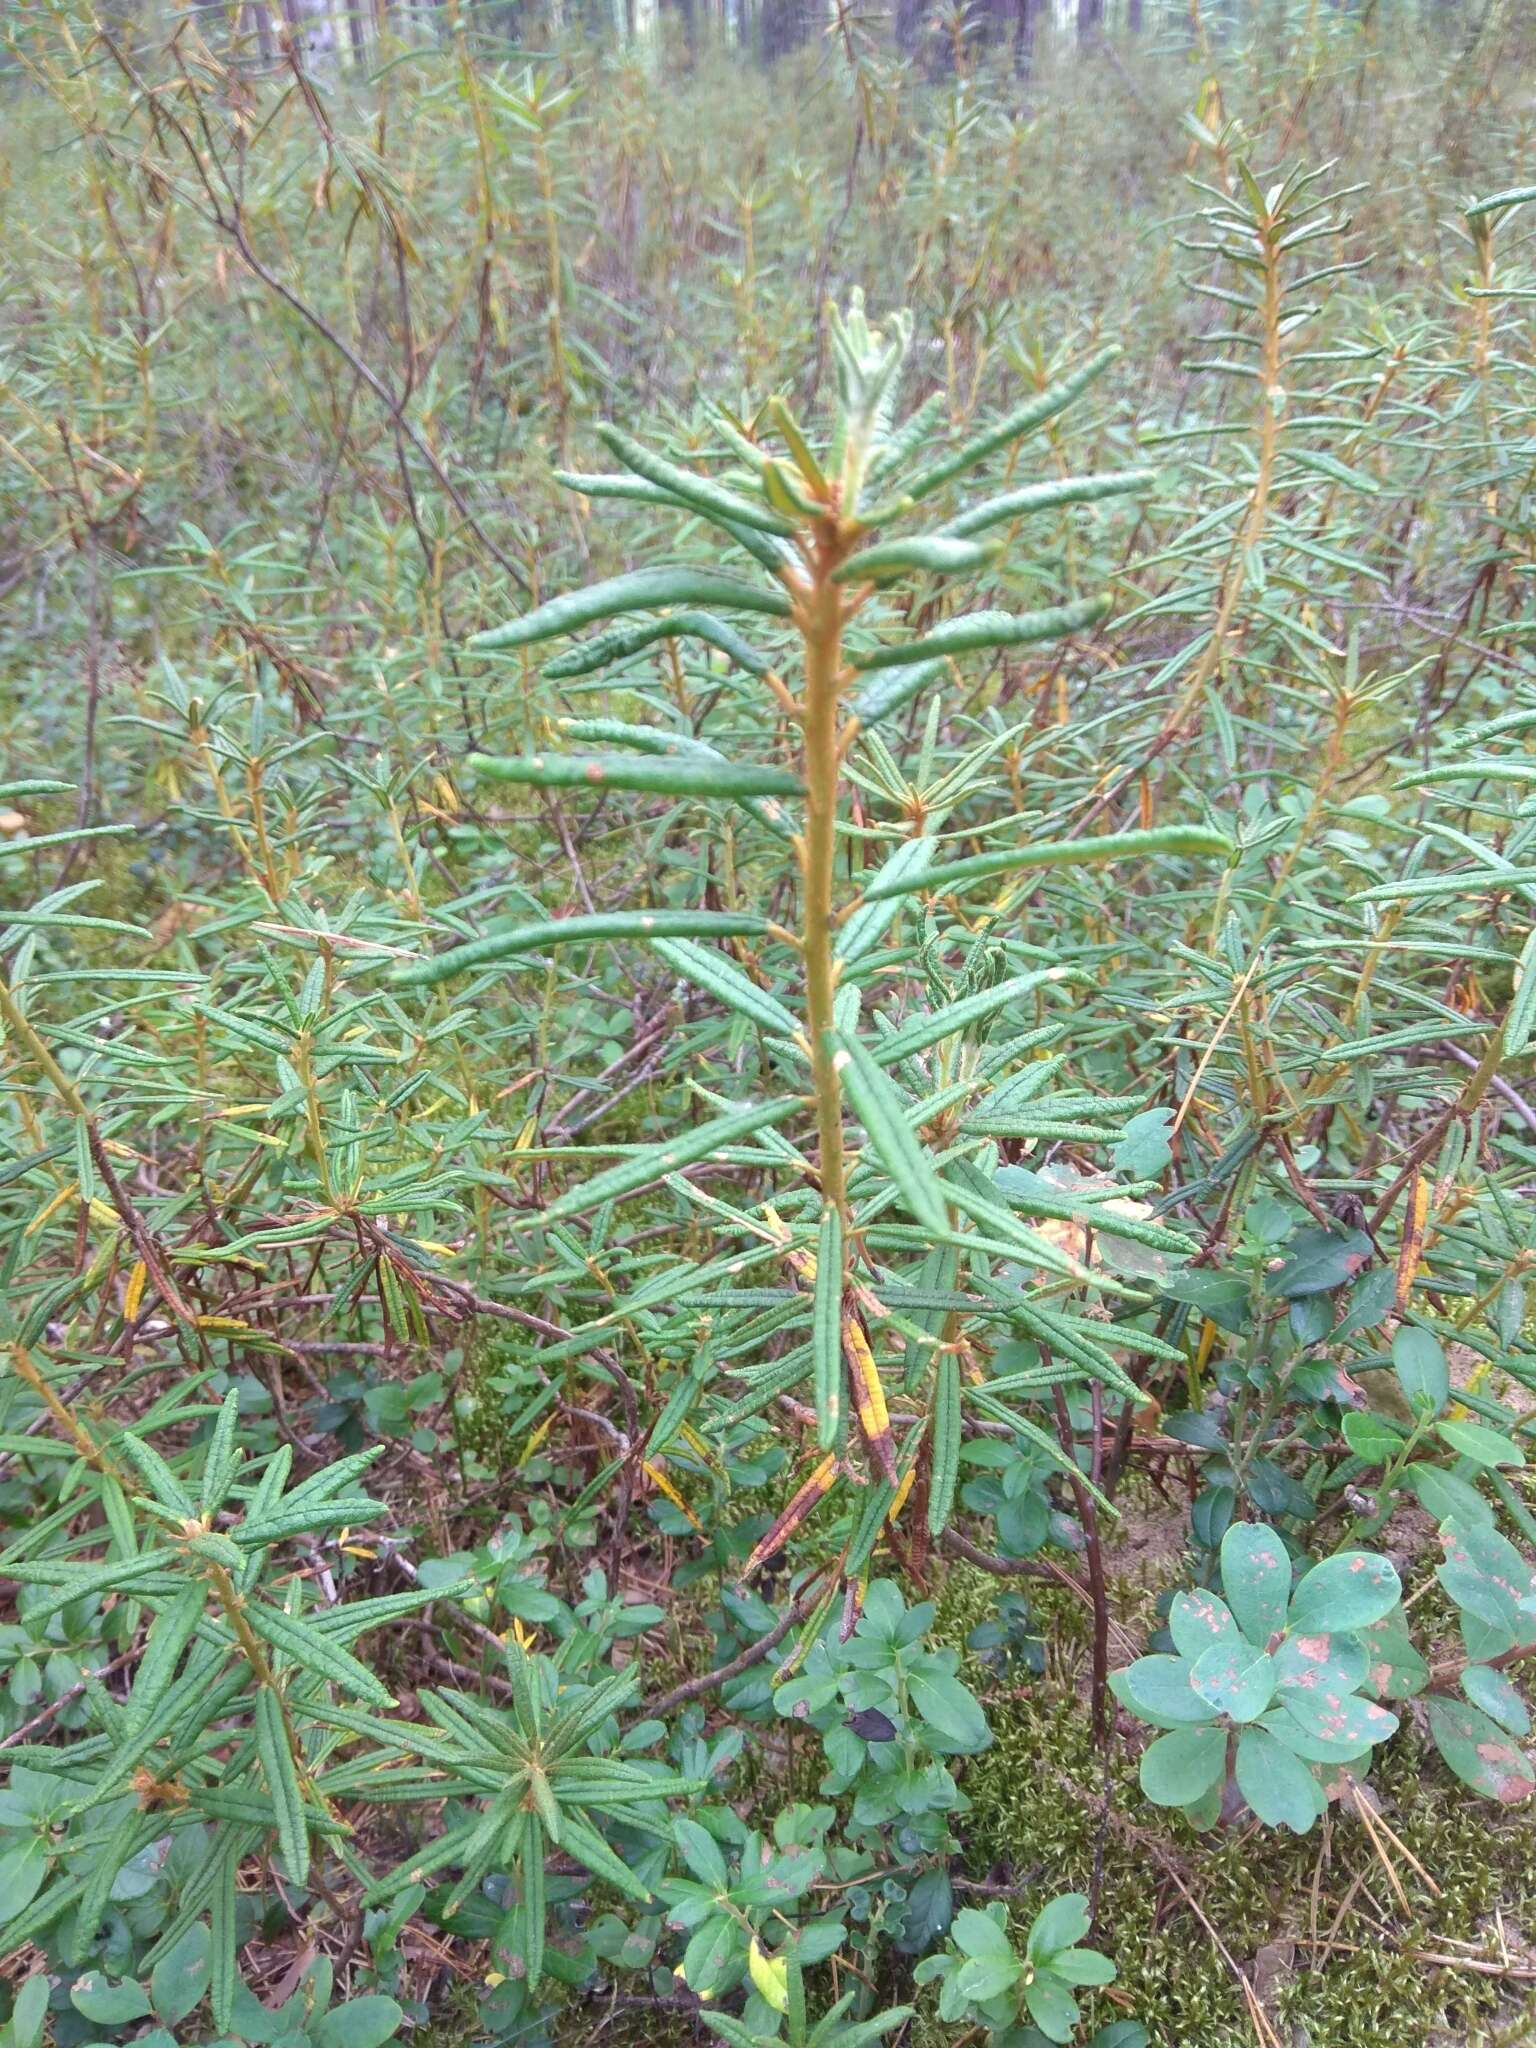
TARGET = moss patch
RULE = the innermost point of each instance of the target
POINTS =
(1336, 1958)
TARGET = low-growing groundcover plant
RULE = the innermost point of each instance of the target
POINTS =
(786, 1302)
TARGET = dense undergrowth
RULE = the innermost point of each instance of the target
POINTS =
(789, 1304)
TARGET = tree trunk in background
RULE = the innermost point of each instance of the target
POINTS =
(1133, 16)
(356, 32)
(1090, 19)
(1024, 37)
(314, 32)
(256, 16)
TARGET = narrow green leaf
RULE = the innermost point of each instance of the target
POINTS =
(169, 1635)
(1055, 853)
(640, 590)
(1065, 490)
(1521, 1016)
(583, 1841)
(530, 1870)
(827, 1330)
(895, 687)
(105, 1864)
(879, 1108)
(655, 739)
(681, 775)
(296, 1517)
(654, 1161)
(1034, 412)
(113, 1574)
(626, 641)
(946, 1443)
(866, 925)
(932, 554)
(281, 1774)
(932, 1026)
(700, 493)
(724, 980)
(158, 1476)
(315, 1652)
(1515, 195)
(972, 631)
(221, 1456)
(641, 925)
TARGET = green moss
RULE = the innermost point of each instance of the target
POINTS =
(1038, 1808)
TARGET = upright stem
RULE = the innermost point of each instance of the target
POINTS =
(76, 1432)
(254, 1651)
(820, 619)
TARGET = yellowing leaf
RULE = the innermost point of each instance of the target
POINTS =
(771, 1976)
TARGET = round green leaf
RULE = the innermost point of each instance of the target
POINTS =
(714, 1948)
(1199, 1619)
(360, 2023)
(1061, 1924)
(106, 2004)
(947, 1706)
(1256, 1577)
(29, 2011)
(1421, 1369)
(1344, 1718)
(181, 1977)
(1276, 1784)
(1482, 1445)
(1485, 1574)
(1480, 1752)
(978, 1934)
(1345, 1592)
(1496, 1696)
(1446, 1494)
(1308, 1744)
(1158, 1689)
(1319, 1664)
(986, 1977)
(22, 1869)
(1370, 1437)
(1051, 2006)
(1236, 1679)
(1181, 1767)
(1394, 1668)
